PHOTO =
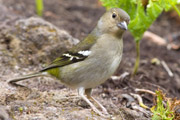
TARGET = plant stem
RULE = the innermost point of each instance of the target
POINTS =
(176, 9)
(39, 7)
(136, 66)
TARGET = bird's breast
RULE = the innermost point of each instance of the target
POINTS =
(103, 61)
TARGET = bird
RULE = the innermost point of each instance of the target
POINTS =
(92, 61)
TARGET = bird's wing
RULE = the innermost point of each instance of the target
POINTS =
(76, 54)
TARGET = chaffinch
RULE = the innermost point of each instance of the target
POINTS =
(93, 60)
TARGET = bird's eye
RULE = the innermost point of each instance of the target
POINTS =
(114, 15)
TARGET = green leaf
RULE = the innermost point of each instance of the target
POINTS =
(141, 18)
(160, 112)
(139, 24)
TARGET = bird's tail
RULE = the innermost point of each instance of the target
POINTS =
(37, 74)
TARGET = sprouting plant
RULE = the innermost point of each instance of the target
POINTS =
(142, 13)
(39, 7)
(162, 110)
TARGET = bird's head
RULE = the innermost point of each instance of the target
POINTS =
(114, 21)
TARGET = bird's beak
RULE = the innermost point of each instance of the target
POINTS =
(122, 25)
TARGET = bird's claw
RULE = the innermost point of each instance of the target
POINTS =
(104, 113)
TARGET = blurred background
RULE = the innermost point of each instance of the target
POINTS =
(29, 41)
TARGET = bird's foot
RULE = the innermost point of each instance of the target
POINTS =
(103, 114)
(104, 111)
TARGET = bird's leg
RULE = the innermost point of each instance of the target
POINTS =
(81, 92)
(88, 93)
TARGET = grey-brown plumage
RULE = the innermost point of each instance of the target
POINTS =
(92, 61)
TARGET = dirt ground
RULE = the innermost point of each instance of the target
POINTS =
(78, 18)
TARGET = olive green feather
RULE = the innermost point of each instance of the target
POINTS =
(61, 61)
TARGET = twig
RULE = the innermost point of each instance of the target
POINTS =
(146, 91)
(136, 107)
(154, 38)
(139, 98)
(150, 84)
(167, 68)
(122, 76)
